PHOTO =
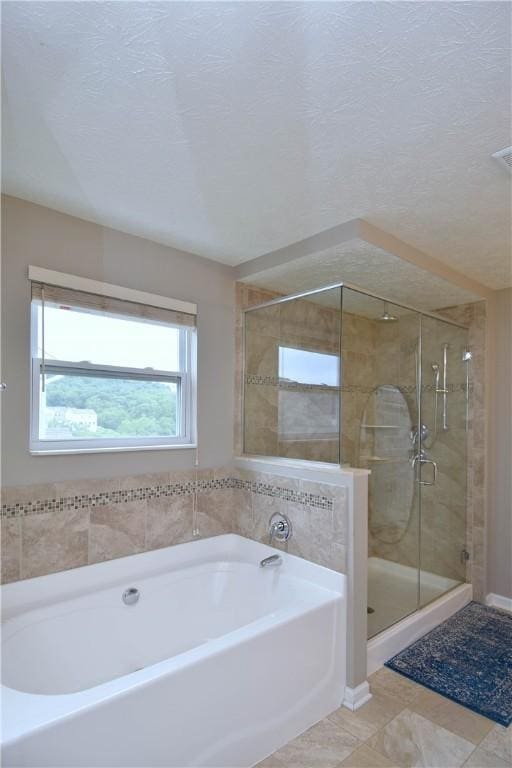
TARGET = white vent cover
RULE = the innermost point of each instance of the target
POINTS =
(504, 158)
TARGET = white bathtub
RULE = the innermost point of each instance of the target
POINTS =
(219, 663)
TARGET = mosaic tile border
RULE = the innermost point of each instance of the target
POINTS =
(285, 494)
(84, 501)
(273, 381)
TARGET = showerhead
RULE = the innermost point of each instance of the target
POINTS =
(435, 367)
(386, 317)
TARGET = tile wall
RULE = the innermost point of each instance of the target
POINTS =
(376, 353)
(475, 317)
(56, 527)
(320, 530)
(291, 420)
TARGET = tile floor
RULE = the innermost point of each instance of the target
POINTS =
(404, 725)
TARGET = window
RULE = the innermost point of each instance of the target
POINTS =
(308, 400)
(306, 367)
(108, 373)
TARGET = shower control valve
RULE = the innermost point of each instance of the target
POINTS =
(280, 528)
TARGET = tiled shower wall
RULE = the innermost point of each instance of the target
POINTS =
(375, 353)
(454, 513)
(475, 317)
(314, 327)
(281, 419)
(56, 527)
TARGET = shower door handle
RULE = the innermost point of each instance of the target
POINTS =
(421, 460)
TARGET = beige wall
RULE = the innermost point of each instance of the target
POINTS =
(32, 234)
(499, 529)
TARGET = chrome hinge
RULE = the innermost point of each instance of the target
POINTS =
(464, 555)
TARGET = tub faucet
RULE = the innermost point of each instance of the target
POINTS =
(271, 560)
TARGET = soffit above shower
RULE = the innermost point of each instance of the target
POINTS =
(233, 129)
(364, 265)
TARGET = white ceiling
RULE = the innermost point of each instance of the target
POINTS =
(233, 129)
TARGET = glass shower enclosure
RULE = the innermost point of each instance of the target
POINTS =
(344, 377)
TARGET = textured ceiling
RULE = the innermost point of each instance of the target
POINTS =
(233, 129)
(363, 265)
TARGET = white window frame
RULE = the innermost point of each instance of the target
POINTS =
(185, 411)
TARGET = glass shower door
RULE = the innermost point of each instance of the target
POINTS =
(379, 409)
(441, 472)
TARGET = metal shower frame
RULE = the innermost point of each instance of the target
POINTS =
(304, 295)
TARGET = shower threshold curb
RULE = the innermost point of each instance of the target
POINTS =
(393, 640)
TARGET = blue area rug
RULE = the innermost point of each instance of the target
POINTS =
(468, 659)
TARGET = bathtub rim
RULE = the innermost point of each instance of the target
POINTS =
(27, 594)
(25, 712)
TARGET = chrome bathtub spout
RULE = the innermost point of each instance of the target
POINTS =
(271, 560)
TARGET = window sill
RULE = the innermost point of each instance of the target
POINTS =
(113, 449)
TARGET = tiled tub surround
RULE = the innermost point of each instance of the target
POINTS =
(55, 527)
(334, 535)
(320, 529)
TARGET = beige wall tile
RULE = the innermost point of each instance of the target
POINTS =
(87, 487)
(11, 549)
(53, 541)
(121, 529)
(241, 501)
(148, 480)
(21, 494)
(317, 534)
(168, 521)
(215, 512)
(181, 475)
(478, 582)
(117, 530)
